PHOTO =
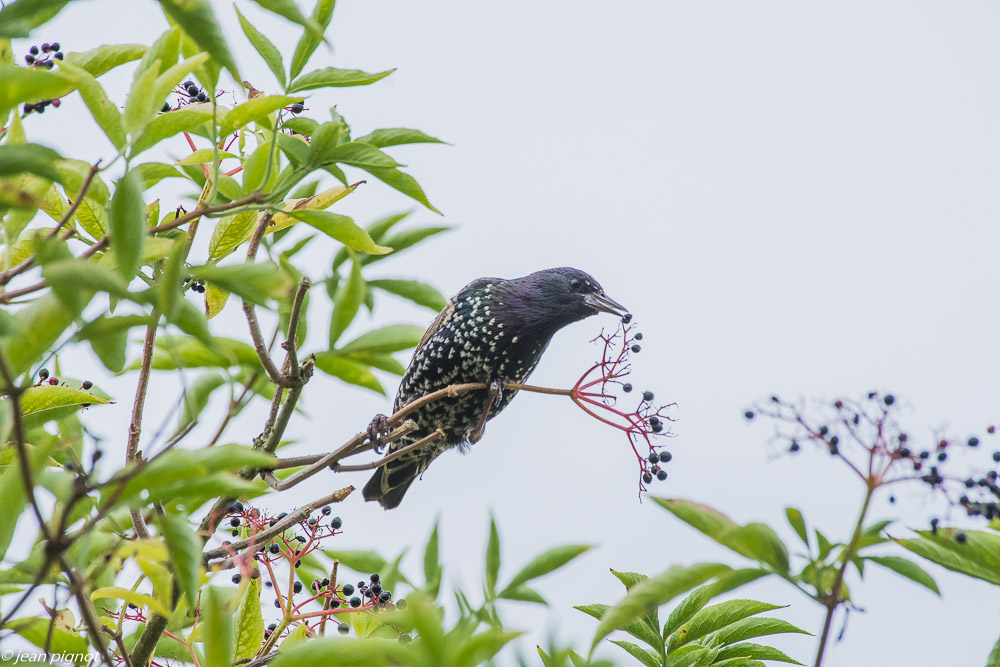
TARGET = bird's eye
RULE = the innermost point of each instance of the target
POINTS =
(575, 284)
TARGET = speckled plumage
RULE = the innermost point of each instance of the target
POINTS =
(493, 329)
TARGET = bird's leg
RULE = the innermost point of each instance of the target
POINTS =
(494, 394)
(378, 428)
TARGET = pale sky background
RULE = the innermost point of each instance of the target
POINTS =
(793, 198)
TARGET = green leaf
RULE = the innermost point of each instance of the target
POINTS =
(218, 633)
(756, 627)
(289, 10)
(255, 110)
(230, 232)
(69, 278)
(198, 20)
(397, 136)
(104, 58)
(402, 182)
(249, 629)
(126, 224)
(360, 560)
(109, 336)
(754, 540)
(18, 19)
(686, 609)
(185, 554)
(994, 658)
(363, 156)
(318, 202)
(753, 652)
(349, 371)
(392, 338)
(268, 51)
(29, 158)
(63, 642)
(204, 156)
(13, 499)
(23, 84)
(39, 325)
(655, 591)
(138, 599)
(348, 300)
(105, 113)
(432, 563)
(419, 293)
(173, 352)
(405, 239)
(152, 173)
(796, 521)
(976, 558)
(719, 616)
(331, 77)
(47, 397)
(140, 106)
(255, 283)
(639, 653)
(492, 557)
(906, 568)
(546, 562)
(171, 77)
(340, 228)
(321, 15)
(629, 579)
(169, 124)
(197, 396)
(523, 594)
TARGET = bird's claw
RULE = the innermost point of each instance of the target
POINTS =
(378, 429)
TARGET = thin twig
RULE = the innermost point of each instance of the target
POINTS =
(293, 518)
(433, 437)
(292, 341)
(135, 426)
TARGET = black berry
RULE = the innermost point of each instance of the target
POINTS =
(326, 510)
(627, 387)
(627, 318)
(297, 107)
(297, 587)
(87, 384)
(355, 602)
(662, 475)
(343, 628)
(348, 590)
(889, 399)
(636, 348)
(336, 523)
(647, 478)
(237, 578)
(961, 538)
(665, 457)
(647, 396)
(274, 548)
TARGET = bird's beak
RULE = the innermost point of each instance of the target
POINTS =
(601, 302)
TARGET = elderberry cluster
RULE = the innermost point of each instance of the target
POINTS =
(46, 58)
(190, 90)
(196, 285)
(866, 435)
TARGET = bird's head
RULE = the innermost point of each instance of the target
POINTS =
(553, 298)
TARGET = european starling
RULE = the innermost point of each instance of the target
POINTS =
(493, 331)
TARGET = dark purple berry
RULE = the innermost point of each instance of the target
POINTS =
(647, 477)
(237, 578)
(665, 457)
(662, 475)
(297, 107)
(636, 349)
(355, 602)
(647, 396)
(343, 628)
(889, 399)
(33, 50)
(654, 457)
(336, 523)
(348, 590)
(87, 384)
(627, 387)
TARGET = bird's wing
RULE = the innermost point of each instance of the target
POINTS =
(436, 325)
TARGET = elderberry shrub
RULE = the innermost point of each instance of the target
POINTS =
(866, 434)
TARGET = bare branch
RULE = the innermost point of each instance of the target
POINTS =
(438, 434)
(292, 341)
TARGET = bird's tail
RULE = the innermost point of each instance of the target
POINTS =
(390, 482)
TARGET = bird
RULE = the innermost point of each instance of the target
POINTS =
(493, 331)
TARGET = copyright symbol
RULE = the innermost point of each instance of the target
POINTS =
(7, 655)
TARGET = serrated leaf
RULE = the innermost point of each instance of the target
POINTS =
(340, 228)
(126, 224)
(255, 283)
(397, 136)
(184, 548)
(104, 58)
(655, 591)
(349, 371)
(138, 599)
(218, 630)
(719, 616)
(47, 397)
(419, 293)
(321, 15)
(255, 110)
(22, 84)
(548, 561)
(196, 396)
(972, 558)
(215, 300)
(753, 652)
(908, 569)
(268, 51)
(169, 124)
(152, 173)
(639, 653)
(492, 557)
(18, 19)
(249, 623)
(686, 609)
(756, 627)
(198, 20)
(230, 232)
(331, 77)
(29, 158)
(523, 594)
(105, 113)
(203, 156)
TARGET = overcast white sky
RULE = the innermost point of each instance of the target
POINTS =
(794, 198)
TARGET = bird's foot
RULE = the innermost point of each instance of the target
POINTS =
(494, 394)
(377, 430)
